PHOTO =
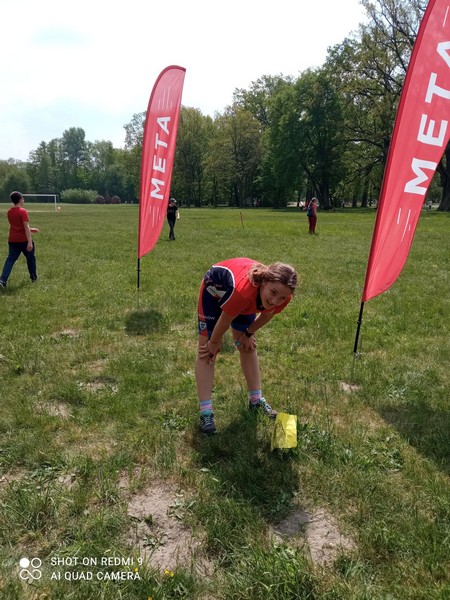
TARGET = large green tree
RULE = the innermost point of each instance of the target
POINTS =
(188, 181)
(42, 170)
(75, 156)
(369, 71)
(234, 155)
(13, 176)
(99, 164)
(257, 99)
(131, 160)
(306, 136)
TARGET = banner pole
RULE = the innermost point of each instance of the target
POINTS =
(138, 279)
(355, 347)
(138, 273)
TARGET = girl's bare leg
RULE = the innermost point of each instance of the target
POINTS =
(249, 365)
(204, 373)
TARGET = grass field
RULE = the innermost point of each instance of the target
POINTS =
(103, 473)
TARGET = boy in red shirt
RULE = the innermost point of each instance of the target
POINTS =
(19, 239)
(231, 294)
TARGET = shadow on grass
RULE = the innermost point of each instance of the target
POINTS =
(141, 322)
(246, 467)
(13, 289)
(425, 428)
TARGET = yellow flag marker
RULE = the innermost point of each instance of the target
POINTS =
(285, 431)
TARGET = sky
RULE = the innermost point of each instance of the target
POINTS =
(93, 63)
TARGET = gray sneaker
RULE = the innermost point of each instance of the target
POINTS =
(207, 425)
(2, 284)
(263, 405)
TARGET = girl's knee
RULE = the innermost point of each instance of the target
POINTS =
(246, 352)
(201, 348)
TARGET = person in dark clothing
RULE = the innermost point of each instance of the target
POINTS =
(172, 216)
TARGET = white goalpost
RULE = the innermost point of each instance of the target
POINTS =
(54, 196)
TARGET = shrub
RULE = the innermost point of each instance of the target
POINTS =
(78, 196)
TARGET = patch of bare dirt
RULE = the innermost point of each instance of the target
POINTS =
(158, 532)
(320, 530)
(348, 388)
(96, 367)
(10, 478)
(65, 333)
(97, 386)
(58, 409)
(67, 480)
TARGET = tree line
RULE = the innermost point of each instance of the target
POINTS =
(324, 133)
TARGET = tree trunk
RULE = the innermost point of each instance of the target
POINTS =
(365, 194)
(324, 196)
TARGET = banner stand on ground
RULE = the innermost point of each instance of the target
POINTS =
(419, 139)
(158, 151)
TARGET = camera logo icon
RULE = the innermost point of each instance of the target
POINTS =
(30, 569)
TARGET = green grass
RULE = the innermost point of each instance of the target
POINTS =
(97, 384)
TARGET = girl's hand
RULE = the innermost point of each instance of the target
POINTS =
(213, 349)
(209, 351)
(34, 230)
(247, 343)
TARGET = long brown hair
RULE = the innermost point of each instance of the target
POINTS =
(276, 272)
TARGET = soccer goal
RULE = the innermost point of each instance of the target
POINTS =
(54, 196)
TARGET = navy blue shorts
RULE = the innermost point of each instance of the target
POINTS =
(209, 311)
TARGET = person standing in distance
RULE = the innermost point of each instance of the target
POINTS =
(311, 213)
(231, 294)
(172, 216)
(19, 239)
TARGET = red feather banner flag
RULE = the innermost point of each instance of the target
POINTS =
(419, 138)
(158, 150)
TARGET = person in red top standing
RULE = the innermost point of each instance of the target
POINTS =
(312, 215)
(231, 294)
(19, 239)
